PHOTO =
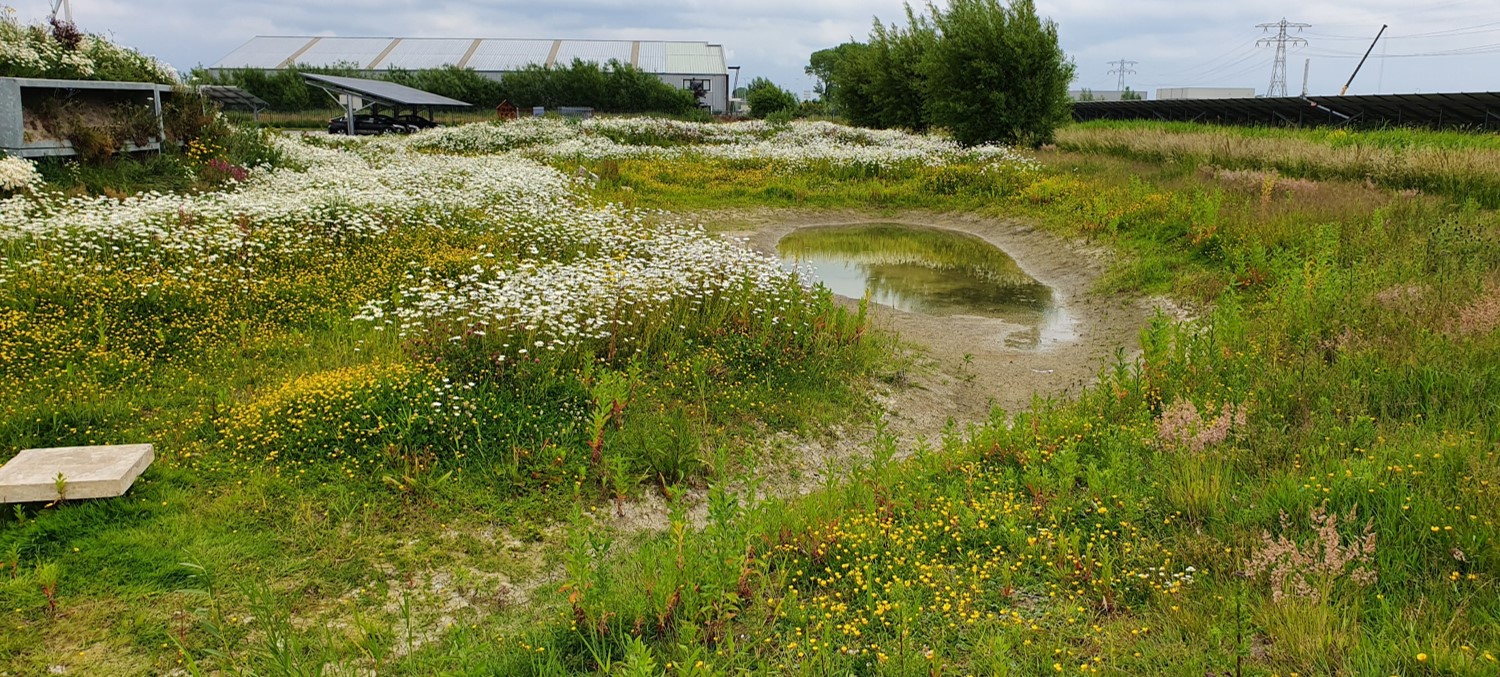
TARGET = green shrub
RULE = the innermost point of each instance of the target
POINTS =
(997, 73)
(613, 87)
(767, 99)
(986, 71)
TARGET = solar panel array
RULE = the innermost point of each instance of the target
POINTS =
(233, 98)
(1479, 110)
(385, 92)
(480, 54)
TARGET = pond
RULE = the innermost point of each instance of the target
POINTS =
(931, 271)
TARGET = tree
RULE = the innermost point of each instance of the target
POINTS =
(997, 74)
(986, 71)
(846, 75)
(766, 98)
(830, 67)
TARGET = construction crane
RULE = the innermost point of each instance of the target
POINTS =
(1362, 60)
(65, 7)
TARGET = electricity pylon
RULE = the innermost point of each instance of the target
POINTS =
(1122, 68)
(65, 8)
(1281, 40)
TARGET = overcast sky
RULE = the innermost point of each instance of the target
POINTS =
(1431, 45)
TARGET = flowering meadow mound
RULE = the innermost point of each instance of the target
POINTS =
(486, 400)
(494, 292)
(64, 52)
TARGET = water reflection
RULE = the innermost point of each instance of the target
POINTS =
(924, 270)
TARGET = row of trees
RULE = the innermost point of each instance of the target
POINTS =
(613, 87)
(983, 70)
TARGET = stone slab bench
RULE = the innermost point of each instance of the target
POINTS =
(87, 472)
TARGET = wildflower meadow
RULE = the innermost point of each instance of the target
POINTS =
(505, 398)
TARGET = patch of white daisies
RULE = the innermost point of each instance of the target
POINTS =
(577, 271)
(800, 144)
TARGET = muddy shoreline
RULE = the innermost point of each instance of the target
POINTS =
(963, 366)
(949, 367)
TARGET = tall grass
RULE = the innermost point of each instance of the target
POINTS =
(1461, 166)
(1304, 478)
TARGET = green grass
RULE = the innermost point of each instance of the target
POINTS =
(1354, 327)
(1454, 164)
(123, 176)
(1381, 137)
(298, 453)
(1018, 548)
(717, 184)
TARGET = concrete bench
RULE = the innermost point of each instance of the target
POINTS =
(87, 472)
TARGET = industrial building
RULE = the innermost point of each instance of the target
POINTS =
(1101, 94)
(1205, 93)
(689, 65)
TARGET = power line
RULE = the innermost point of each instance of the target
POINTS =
(1122, 68)
(1459, 51)
(1281, 40)
(1479, 29)
(1235, 55)
(1237, 63)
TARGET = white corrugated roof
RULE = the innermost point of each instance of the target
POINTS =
(689, 58)
(598, 51)
(264, 52)
(358, 52)
(482, 54)
(509, 55)
(414, 53)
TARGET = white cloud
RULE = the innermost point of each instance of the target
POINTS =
(1176, 43)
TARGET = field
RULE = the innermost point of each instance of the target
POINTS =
(484, 400)
(1463, 166)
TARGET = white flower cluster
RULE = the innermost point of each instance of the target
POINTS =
(797, 145)
(32, 51)
(572, 270)
(634, 282)
(274, 213)
(564, 272)
(18, 174)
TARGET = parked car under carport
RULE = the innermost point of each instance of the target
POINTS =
(368, 124)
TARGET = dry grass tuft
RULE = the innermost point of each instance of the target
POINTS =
(1400, 296)
(1181, 425)
(1481, 316)
(1308, 571)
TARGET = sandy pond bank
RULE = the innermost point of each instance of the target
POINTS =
(951, 367)
(963, 365)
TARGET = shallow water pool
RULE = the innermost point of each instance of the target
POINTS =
(923, 270)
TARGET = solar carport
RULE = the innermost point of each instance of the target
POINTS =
(1475, 110)
(234, 98)
(357, 93)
